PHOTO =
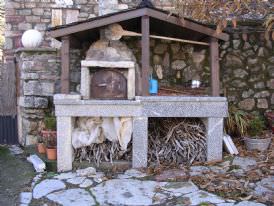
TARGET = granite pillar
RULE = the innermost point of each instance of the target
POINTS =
(140, 142)
(214, 132)
(64, 146)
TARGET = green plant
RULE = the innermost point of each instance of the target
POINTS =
(236, 123)
(40, 139)
(51, 142)
(50, 122)
(256, 126)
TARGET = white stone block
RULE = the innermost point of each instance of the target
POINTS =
(38, 164)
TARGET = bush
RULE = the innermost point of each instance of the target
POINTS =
(237, 122)
(256, 126)
(50, 122)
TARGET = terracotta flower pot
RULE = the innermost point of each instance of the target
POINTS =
(51, 153)
(257, 144)
(41, 148)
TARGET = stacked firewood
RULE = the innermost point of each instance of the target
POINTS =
(176, 141)
(171, 141)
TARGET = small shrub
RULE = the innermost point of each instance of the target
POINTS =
(256, 126)
(237, 122)
(50, 122)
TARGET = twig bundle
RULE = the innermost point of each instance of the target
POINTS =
(107, 151)
(176, 141)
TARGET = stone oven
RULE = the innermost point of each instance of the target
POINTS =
(113, 86)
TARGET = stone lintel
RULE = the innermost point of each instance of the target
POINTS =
(140, 142)
(107, 64)
(22, 49)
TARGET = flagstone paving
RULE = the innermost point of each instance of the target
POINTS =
(131, 188)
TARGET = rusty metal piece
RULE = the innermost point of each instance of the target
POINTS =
(108, 84)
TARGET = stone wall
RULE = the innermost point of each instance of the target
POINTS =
(247, 70)
(39, 72)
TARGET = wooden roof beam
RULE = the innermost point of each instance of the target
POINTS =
(187, 24)
(98, 23)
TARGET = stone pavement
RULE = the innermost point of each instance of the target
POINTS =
(87, 187)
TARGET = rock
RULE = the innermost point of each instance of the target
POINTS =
(160, 48)
(236, 43)
(262, 104)
(86, 172)
(132, 173)
(239, 83)
(247, 104)
(270, 84)
(76, 180)
(240, 73)
(173, 174)
(47, 186)
(175, 48)
(37, 163)
(252, 61)
(15, 150)
(198, 170)
(72, 197)
(246, 46)
(248, 203)
(262, 94)
(179, 188)
(259, 85)
(25, 197)
(157, 60)
(271, 59)
(199, 197)
(129, 192)
(178, 65)
(265, 187)
(64, 176)
(86, 183)
(36, 179)
(248, 93)
(226, 204)
(233, 61)
(245, 163)
(218, 170)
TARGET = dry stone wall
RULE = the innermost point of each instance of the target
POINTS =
(247, 66)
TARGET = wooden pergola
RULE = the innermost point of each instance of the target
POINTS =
(145, 20)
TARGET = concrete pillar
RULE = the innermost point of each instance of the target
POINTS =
(214, 127)
(64, 146)
(140, 142)
(85, 83)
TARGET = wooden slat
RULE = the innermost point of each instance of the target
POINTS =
(187, 24)
(215, 67)
(145, 55)
(8, 89)
(65, 65)
(56, 17)
(97, 23)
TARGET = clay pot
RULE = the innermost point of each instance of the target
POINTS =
(257, 144)
(41, 148)
(51, 153)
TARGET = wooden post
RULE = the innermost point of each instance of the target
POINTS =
(145, 55)
(65, 65)
(215, 67)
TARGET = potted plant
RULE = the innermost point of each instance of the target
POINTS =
(258, 138)
(49, 134)
(270, 118)
(41, 147)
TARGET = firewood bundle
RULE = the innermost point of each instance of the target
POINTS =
(176, 141)
(104, 152)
